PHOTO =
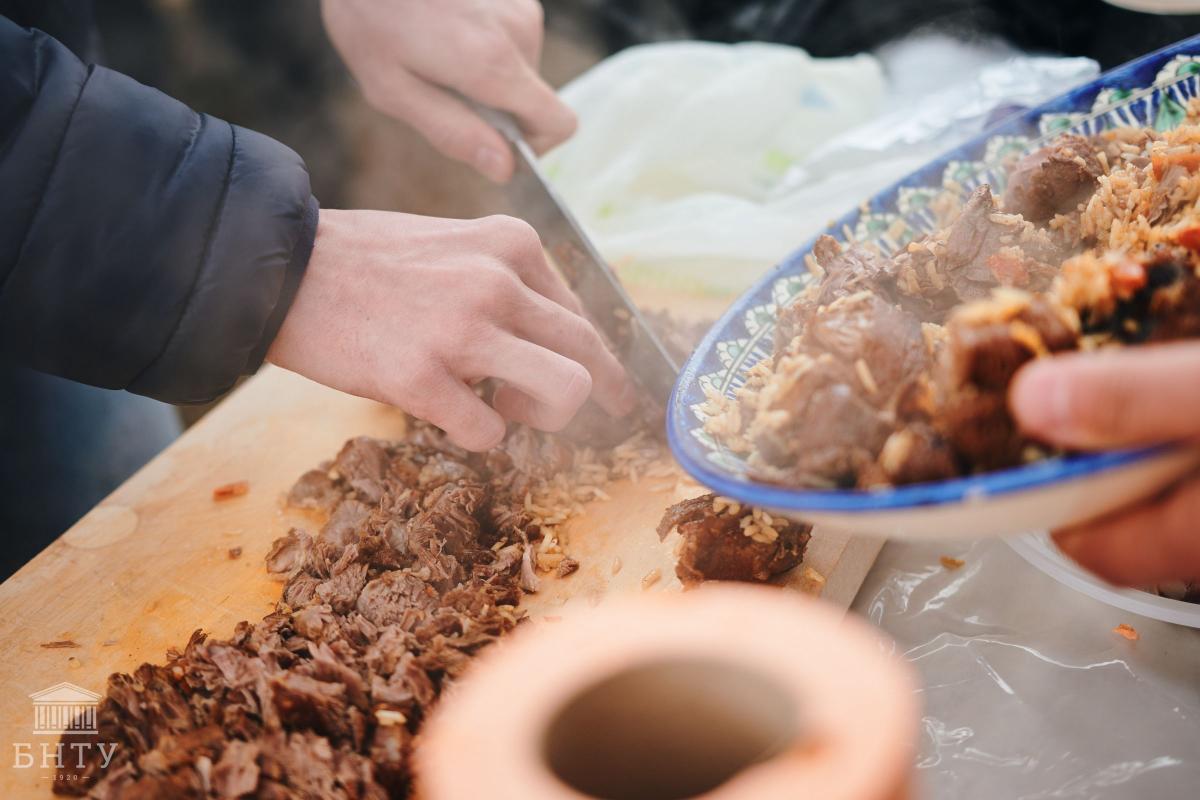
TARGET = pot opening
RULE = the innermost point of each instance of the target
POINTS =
(668, 730)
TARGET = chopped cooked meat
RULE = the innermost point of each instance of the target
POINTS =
(914, 454)
(953, 266)
(814, 425)
(884, 344)
(1053, 180)
(289, 554)
(981, 249)
(306, 703)
(722, 540)
(848, 271)
(230, 490)
(422, 563)
(315, 490)
(362, 466)
(344, 523)
(988, 343)
(236, 772)
(398, 598)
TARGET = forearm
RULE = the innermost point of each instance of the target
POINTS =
(142, 245)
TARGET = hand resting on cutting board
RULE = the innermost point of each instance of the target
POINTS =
(1123, 398)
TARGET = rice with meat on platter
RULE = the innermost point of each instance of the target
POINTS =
(891, 370)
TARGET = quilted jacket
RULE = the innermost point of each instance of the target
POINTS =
(143, 246)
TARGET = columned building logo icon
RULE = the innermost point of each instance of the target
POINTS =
(64, 708)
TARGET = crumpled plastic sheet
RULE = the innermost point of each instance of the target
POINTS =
(1027, 691)
(698, 166)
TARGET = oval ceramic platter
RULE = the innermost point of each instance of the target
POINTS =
(1151, 91)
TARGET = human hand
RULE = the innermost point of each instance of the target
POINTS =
(1127, 397)
(411, 56)
(412, 310)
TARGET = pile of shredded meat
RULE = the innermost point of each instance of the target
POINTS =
(419, 566)
(422, 561)
(895, 370)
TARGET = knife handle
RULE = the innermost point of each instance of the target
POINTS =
(500, 120)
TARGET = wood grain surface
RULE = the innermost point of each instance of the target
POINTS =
(152, 562)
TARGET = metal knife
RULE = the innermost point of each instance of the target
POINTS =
(598, 288)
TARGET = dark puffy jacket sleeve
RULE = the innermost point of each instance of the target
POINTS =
(143, 246)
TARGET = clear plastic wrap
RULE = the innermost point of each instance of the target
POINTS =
(1028, 691)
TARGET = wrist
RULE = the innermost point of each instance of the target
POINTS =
(302, 252)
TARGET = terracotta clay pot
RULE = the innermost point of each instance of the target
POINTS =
(726, 693)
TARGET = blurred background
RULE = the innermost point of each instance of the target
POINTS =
(268, 65)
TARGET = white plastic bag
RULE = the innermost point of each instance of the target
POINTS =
(697, 166)
(680, 145)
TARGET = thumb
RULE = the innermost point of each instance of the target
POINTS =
(1128, 396)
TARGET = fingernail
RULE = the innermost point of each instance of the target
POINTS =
(492, 164)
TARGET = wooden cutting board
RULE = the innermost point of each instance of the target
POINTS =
(152, 562)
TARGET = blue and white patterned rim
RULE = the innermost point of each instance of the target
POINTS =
(1151, 91)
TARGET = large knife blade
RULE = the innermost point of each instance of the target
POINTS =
(587, 273)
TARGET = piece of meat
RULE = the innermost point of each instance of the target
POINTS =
(441, 469)
(300, 590)
(307, 703)
(883, 343)
(315, 490)
(313, 621)
(289, 554)
(362, 466)
(988, 342)
(441, 535)
(341, 589)
(849, 270)
(813, 426)
(916, 453)
(343, 525)
(236, 772)
(971, 240)
(980, 249)
(1054, 179)
(721, 540)
(398, 598)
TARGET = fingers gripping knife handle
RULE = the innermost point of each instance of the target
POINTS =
(500, 120)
